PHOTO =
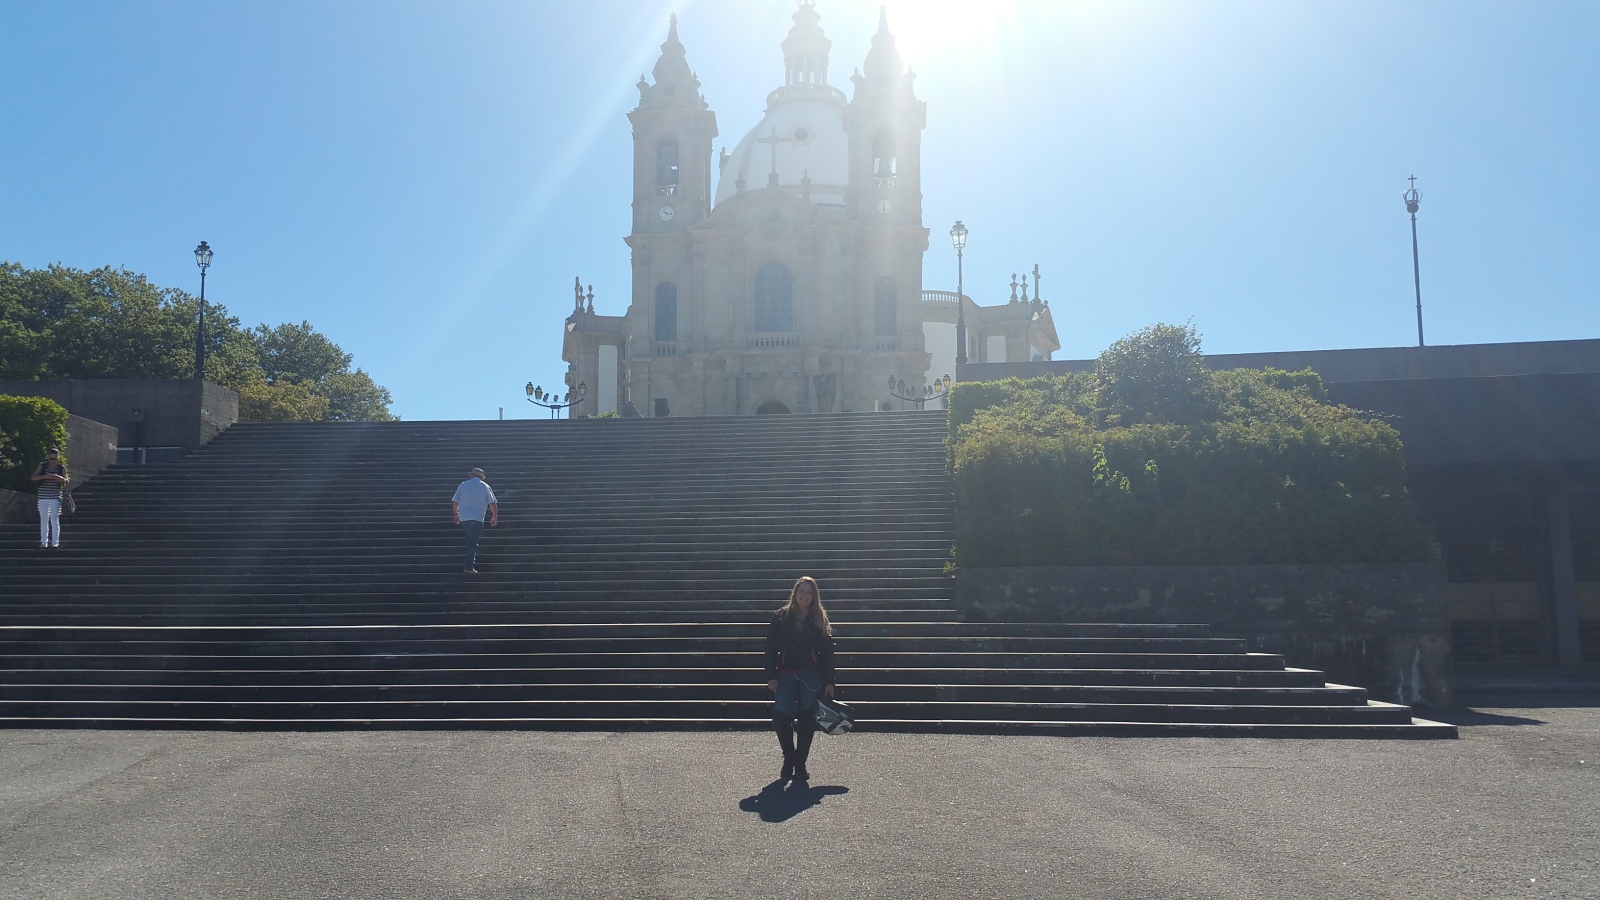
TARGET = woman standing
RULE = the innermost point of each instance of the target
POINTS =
(52, 476)
(799, 666)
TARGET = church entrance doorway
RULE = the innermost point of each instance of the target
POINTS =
(772, 408)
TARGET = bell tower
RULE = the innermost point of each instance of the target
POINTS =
(672, 132)
(885, 122)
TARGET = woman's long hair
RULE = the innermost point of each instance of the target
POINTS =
(792, 616)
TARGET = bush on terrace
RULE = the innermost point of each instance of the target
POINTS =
(1155, 459)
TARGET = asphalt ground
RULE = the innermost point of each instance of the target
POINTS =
(1510, 810)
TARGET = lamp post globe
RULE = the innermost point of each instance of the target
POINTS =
(930, 392)
(554, 400)
(202, 258)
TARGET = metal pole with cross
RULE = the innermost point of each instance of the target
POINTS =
(1413, 198)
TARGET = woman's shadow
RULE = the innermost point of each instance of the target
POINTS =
(780, 801)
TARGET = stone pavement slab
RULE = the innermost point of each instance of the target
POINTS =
(1510, 810)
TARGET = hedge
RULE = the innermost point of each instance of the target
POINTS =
(29, 426)
(1202, 467)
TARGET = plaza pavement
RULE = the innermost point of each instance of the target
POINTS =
(1510, 810)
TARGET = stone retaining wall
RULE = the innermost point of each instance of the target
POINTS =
(1382, 627)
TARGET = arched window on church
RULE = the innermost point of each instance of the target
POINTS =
(666, 311)
(883, 308)
(774, 298)
(883, 159)
(667, 168)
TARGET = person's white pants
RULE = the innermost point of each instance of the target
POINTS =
(49, 523)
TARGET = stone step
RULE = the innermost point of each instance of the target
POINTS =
(684, 639)
(746, 630)
(664, 659)
(852, 678)
(1104, 695)
(1415, 729)
(454, 708)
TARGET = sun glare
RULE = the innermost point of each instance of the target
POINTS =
(925, 29)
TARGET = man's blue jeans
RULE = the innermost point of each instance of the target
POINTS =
(474, 530)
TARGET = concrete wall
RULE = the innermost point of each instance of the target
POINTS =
(91, 446)
(184, 413)
(1381, 627)
(16, 506)
(1366, 363)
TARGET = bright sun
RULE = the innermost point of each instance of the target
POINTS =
(925, 28)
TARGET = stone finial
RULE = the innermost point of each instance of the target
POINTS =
(883, 65)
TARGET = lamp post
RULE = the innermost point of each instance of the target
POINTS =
(958, 237)
(202, 258)
(553, 401)
(939, 390)
(1413, 198)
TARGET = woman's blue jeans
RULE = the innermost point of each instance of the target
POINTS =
(797, 694)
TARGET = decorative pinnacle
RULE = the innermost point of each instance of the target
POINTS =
(1412, 196)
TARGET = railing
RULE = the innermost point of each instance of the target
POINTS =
(826, 91)
(888, 344)
(666, 348)
(777, 340)
(947, 298)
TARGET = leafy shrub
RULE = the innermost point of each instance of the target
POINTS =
(1156, 460)
(29, 426)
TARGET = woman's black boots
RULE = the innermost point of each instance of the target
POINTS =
(808, 730)
(785, 729)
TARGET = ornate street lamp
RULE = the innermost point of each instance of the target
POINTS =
(555, 402)
(958, 237)
(1413, 198)
(202, 258)
(939, 390)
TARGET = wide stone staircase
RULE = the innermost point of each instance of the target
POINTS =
(308, 576)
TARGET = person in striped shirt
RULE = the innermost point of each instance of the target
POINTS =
(52, 477)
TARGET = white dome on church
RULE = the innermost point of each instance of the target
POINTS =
(806, 124)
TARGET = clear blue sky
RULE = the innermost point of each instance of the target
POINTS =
(422, 181)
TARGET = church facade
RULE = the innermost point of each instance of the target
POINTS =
(794, 285)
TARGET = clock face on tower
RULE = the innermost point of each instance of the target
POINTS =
(665, 214)
(885, 207)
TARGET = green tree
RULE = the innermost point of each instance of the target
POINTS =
(109, 323)
(1156, 374)
(297, 355)
(60, 322)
